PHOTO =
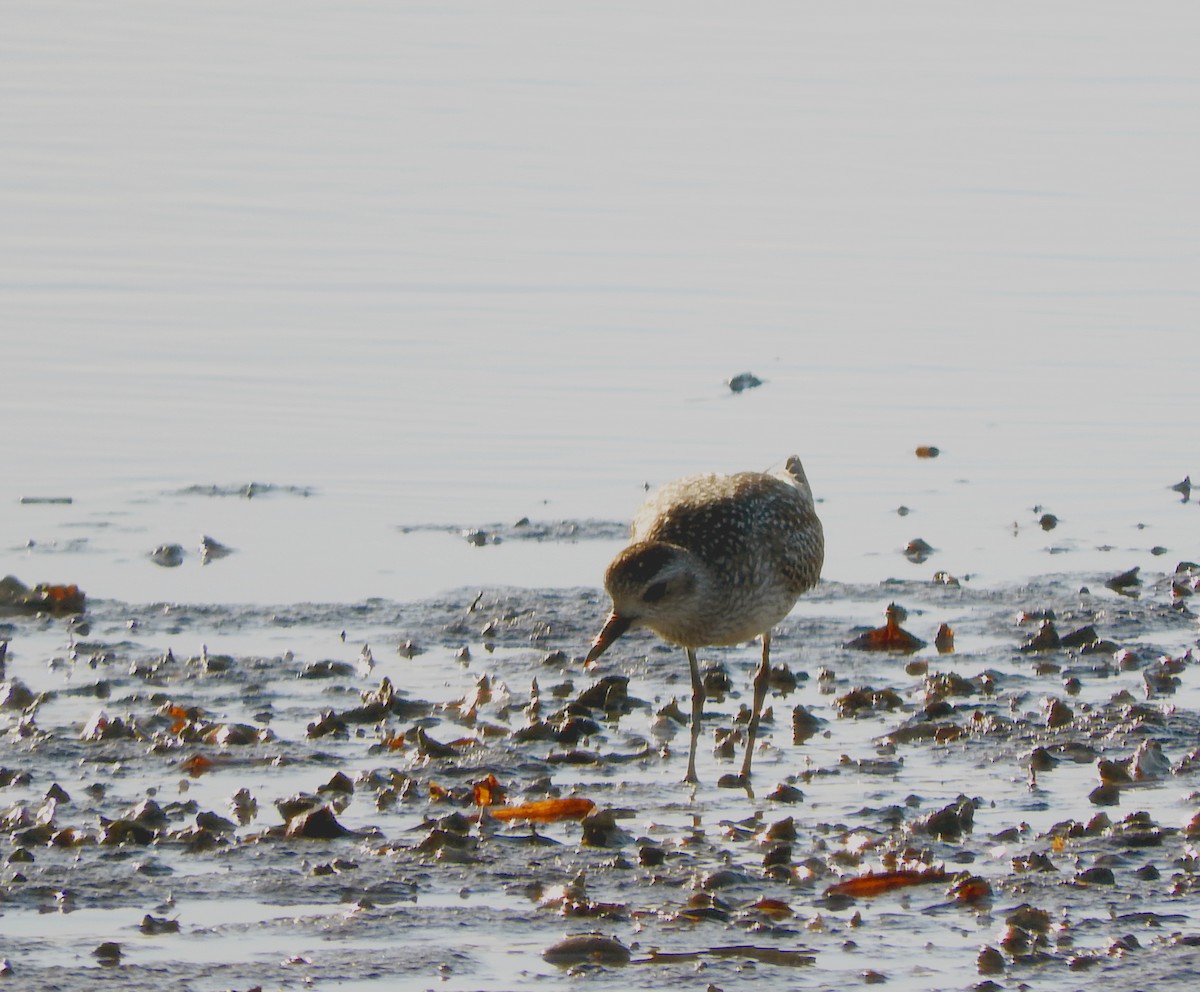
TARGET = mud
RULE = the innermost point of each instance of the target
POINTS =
(151, 752)
(529, 530)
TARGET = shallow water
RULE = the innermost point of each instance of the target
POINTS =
(415, 272)
(260, 908)
(464, 265)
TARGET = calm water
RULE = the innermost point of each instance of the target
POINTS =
(465, 263)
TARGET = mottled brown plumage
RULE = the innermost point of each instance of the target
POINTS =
(717, 560)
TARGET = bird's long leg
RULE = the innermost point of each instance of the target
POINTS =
(760, 694)
(697, 713)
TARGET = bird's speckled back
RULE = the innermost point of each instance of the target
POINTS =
(756, 530)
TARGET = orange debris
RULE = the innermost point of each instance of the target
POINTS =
(487, 791)
(546, 810)
(197, 765)
(890, 637)
(877, 883)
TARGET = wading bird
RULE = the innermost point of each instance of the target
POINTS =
(717, 559)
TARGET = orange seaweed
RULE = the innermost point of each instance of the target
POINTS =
(487, 792)
(59, 598)
(546, 810)
(877, 883)
(180, 717)
(197, 765)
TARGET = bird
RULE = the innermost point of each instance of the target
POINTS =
(717, 560)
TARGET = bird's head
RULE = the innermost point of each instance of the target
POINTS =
(652, 584)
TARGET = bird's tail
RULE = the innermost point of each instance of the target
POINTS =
(794, 472)
(795, 469)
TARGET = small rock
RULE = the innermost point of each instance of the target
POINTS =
(108, 953)
(951, 822)
(651, 856)
(989, 961)
(211, 549)
(1099, 875)
(743, 381)
(1046, 639)
(804, 724)
(785, 793)
(918, 550)
(1058, 713)
(316, 824)
(585, 947)
(167, 555)
(944, 639)
(1125, 581)
(1041, 760)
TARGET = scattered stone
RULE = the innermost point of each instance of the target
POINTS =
(944, 639)
(950, 822)
(1099, 875)
(804, 724)
(743, 381)
(989, 961)
(158, 925)
(1106, 794)
(1046, 638)
(211, 550)
(108, 953)
(316, 824)
(168, 555)
(1125, 581)
(1058, 713)
(918, 550)
(587, 947)
(57, 600)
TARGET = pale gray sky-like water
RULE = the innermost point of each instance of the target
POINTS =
(463, 263)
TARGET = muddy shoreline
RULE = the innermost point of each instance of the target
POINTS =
(154, 717)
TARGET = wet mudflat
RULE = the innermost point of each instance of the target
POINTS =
(225, 797)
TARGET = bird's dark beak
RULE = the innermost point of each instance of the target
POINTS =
(613, 628)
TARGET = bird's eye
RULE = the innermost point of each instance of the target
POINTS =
(655, 592)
